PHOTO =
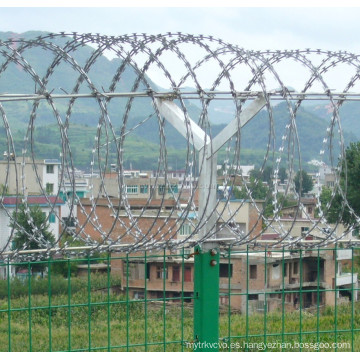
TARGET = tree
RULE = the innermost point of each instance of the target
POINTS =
(257, 189)
(282, 200)
(265, 175)
(303, 182)
(28, 225)
(349, 184)
(332, 212)
(282, 174)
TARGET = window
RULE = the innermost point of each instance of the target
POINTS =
(144, 189)
(173, 189)
(161, 189)
(134, 271)
(253, 271)
(176, 273)
(253, 296)
(139, 295)
(225, 270)
(49, 188)
(148, 269)
(161, 272)
(131, 189)
(49, 169)
(187, 274)
(304, 229)
(185, 229)
(52, 218)
(295, 268)
(224, 300)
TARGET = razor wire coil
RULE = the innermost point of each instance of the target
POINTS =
(206, 72)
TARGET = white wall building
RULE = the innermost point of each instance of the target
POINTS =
(28, 177)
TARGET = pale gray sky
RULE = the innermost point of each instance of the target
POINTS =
(258, 28)
(251, 28)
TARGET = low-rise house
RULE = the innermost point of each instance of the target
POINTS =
(251, 279)
(306, 278)
(155, 220)
(254, 279)
(137, 185)
(173, 272)
(28, 177)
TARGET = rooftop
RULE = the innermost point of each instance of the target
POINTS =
(12, 201)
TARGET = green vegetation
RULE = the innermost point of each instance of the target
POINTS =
(333, 205)
(141, 147)
(303, 182)
(31, 223)
(89, 317)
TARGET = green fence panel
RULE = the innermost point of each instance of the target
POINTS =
(231, 299)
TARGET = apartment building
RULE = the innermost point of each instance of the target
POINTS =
(28, 177)
(296, 278)
(173, 272)
(252, 279)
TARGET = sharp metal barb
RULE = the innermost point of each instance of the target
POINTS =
(188, 101)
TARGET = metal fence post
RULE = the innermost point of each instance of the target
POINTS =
(206, 302)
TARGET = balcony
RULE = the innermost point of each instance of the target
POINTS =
(343, 254)
(346, 279)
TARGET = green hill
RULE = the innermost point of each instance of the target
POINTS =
(83, 118)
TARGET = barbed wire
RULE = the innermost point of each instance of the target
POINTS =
(49, 80)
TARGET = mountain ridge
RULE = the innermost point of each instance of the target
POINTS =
(86, 118)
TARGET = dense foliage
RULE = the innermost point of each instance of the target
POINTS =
(30, 225)
(303, 182)
(332, 204)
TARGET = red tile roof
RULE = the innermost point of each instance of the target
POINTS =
(270, 236)
(32, 200)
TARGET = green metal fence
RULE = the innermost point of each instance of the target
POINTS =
(204, 300)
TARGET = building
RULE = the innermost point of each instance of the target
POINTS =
(239, 217)
(71, 191)
(308, 279)
(137, 185)
(251, 280)
(173, 272)
(28, 177)
(155, 220)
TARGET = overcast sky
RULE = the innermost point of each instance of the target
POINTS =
(251, 28)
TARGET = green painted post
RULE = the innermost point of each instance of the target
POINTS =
(206, 301)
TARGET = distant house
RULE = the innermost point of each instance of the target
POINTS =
(28, 177)
(154, 220)
(137, 185)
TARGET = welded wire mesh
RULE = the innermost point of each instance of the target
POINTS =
(302, 300)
